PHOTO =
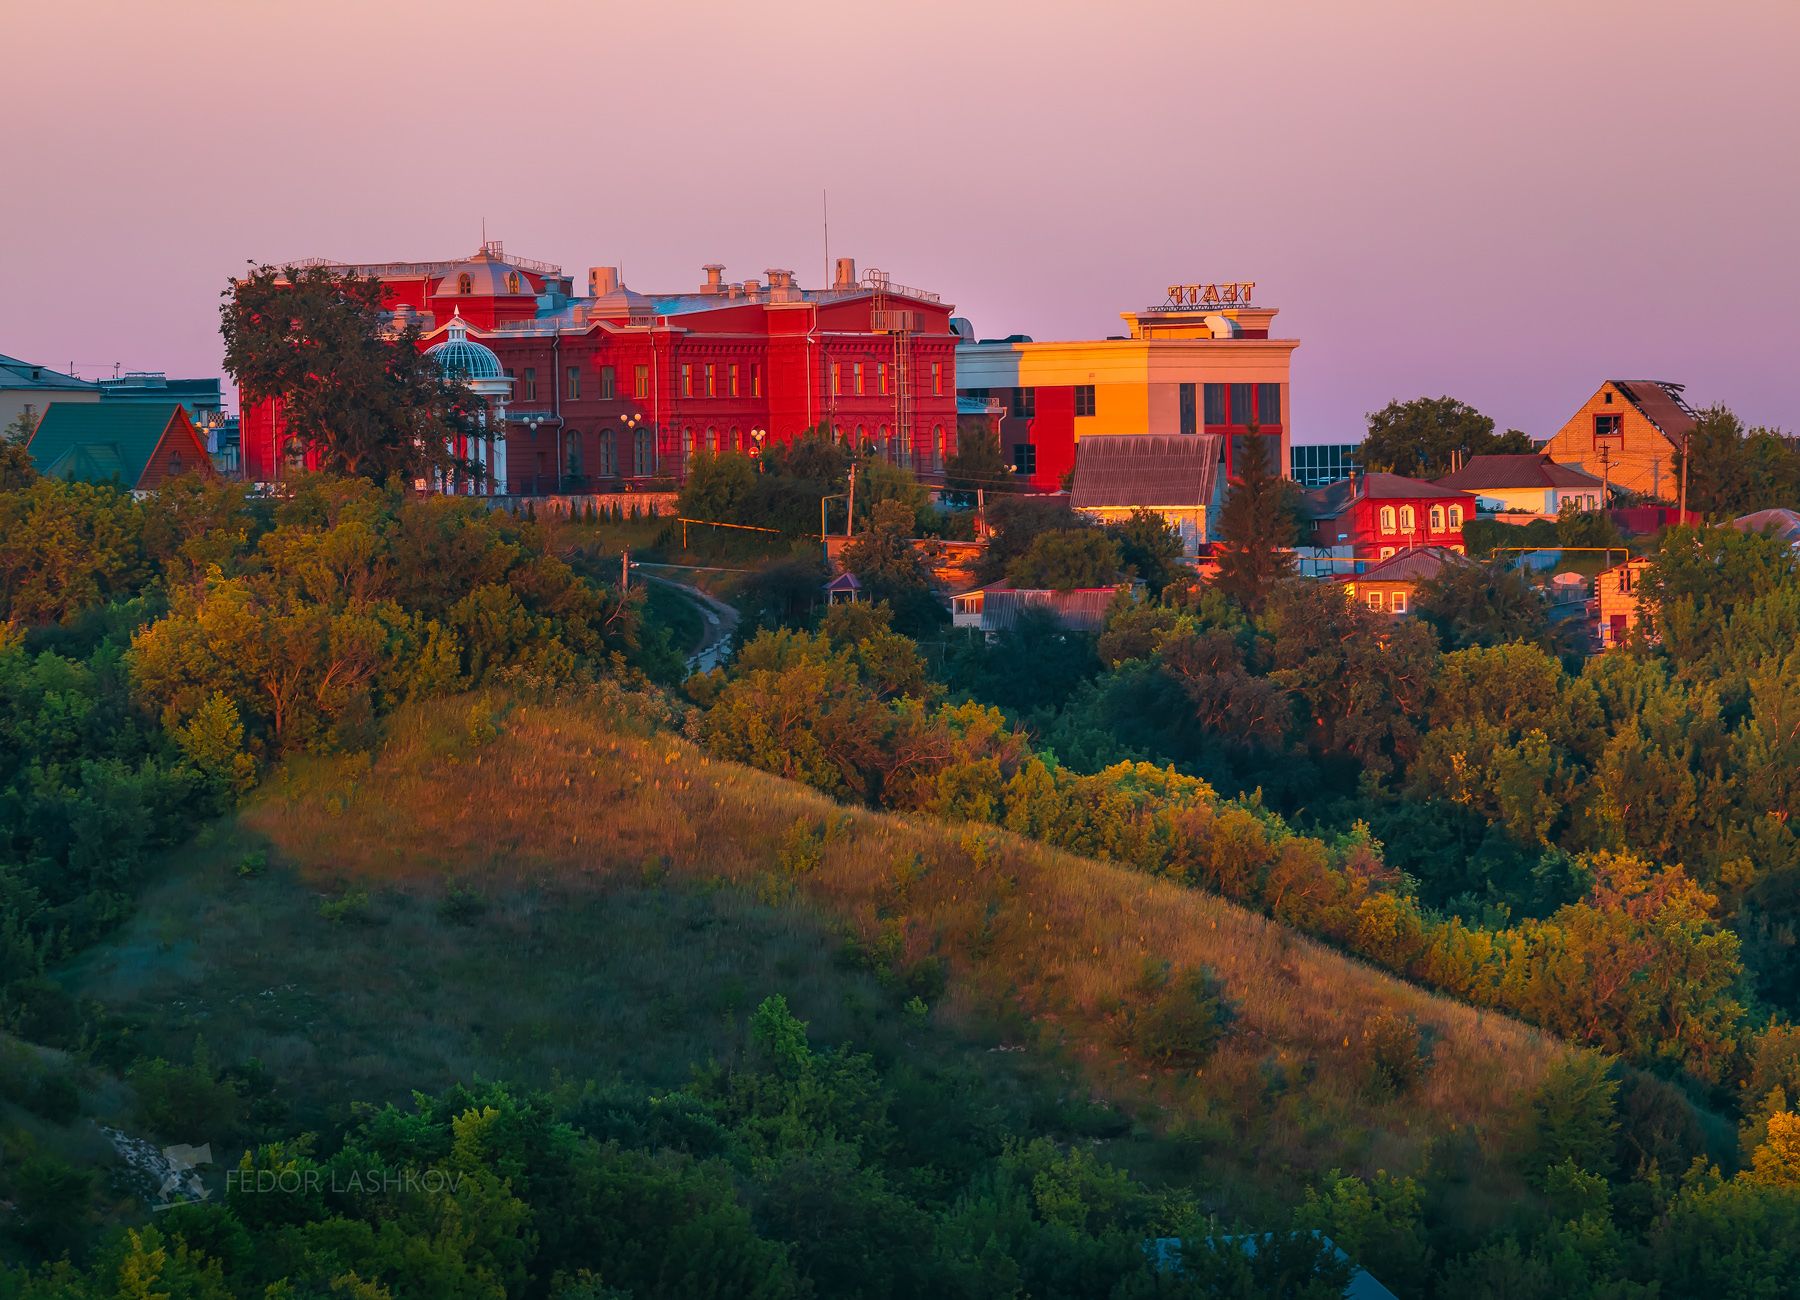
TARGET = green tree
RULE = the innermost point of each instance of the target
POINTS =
(1483, 605)
(1066, 559)
(352, 387)
(1149, 546)
(1420, 438)
(1258, 529)
(977, 463)
(16, 468)
(890, 568)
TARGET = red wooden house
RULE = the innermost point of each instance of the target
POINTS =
(1374, 516)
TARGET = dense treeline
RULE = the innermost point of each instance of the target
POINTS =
(1602, 846)
(156, 655)
(790, 1170)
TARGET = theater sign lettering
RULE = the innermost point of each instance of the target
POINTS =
(1235, 293)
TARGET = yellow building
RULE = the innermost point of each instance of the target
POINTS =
(1203, 362)
(1628, 433)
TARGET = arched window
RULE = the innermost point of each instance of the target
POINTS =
(609, 453)
(1409, 519)
(572, 450)
(906, 450)
(1387, 552)
(643, 462)
(1387, 519)
(512, 281)
(712, 441)
(690, 443)
(1456, 516)
(464, 284)
(862, 436)
(939, 449)
(1437, 519)
(737, 439)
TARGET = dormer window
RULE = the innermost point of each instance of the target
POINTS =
(464, 284)
(512, 281)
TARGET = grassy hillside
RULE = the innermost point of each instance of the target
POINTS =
(549, 895)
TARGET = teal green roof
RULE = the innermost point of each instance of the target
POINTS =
(99, 441)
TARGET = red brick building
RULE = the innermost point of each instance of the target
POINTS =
(1374, 516)
(611, 387)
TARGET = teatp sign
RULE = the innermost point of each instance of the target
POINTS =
(1235, 294)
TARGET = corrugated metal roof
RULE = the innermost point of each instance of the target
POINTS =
(1785, 524)
(1526, 470)
(1145, 469)
(1415, 564)
(1081, 610)
(1660, 402)
(109, 433)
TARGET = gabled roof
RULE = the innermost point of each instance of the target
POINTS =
(1334, 499)
(102, 440)
(1525, 470)
(1145, 469)
(1785, 524)
(1415, 564)
(1659, 402)
(15, 373)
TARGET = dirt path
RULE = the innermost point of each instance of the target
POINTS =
(721, 619)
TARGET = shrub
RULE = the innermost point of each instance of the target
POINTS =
(1395, 1052)
(462, 905)
(1181, 1017)
(186, 1103)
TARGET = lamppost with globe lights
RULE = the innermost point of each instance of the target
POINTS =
(633, 422)
(757, 436)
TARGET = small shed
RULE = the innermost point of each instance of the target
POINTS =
(845, 589)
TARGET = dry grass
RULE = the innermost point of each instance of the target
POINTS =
(1039, 940)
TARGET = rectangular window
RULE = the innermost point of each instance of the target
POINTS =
(687, 379)
(1268, 404)
(574, 377)
(881, 378)
(1609, 426)
(1398, 604)
(640, 381)
(1375, 600)
(1024, 404)
(1241, 413)
(1084, 398)
(712, 380)
(609, 383)
(1185, 394)
(755, 379)
(856, 372)
(530, 384)
(1215, 403)
(734, 379)
(837, 378)
(937, 378)
(1024, 458)
(975, 394)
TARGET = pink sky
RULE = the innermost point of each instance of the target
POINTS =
(1507, 202)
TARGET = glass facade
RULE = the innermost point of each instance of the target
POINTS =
(1318, 464)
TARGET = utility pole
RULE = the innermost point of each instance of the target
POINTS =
(1605, 476)
(625, 570)
(1687, 445)
(850, 513)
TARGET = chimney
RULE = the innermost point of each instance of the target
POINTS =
(781, 284)
(845, 278)
(715, 277)
(753, 289)
(602, 280)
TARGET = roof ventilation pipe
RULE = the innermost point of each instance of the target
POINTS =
(602, 280)
(844, 276)
(1222, 327)
(715, 278)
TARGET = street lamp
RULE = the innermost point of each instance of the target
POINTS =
(632, 421)
(757, 436)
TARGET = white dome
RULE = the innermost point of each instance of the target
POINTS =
(461, 357)
(484, 276)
